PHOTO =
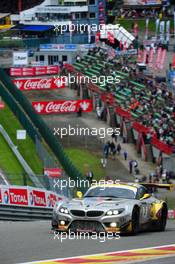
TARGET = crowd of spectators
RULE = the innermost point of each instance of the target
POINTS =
(155, 106)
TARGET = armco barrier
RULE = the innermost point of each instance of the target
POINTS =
(26, 203)
(20, 213)
(39, 123)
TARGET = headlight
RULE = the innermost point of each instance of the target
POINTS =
(115, 212)
(109, 213)
(64, 210)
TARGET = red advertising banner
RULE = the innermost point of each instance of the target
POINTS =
(51, 200)
(62, 106)
(38, 198)
(18, 196)
(2, 105)
(34, 71)
(53, 172)
(39, 84)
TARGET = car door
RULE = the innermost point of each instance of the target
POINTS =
(145, 205)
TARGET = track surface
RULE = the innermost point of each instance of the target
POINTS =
(32, 241)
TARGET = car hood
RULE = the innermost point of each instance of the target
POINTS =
(96, 203)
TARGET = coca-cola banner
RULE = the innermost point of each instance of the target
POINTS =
(34, 71)
(39, 84)
(52, 172)
(62, 106)
(28, 196)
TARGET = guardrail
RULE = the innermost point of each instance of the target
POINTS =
(21, 213)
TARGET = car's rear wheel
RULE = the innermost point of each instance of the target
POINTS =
(135, 222)
(161, 223)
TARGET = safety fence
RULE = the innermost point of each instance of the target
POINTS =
(34, 124)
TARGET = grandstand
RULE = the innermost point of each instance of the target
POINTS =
(137, 99)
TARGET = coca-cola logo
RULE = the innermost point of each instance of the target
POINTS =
(67, 106)
(41, 84)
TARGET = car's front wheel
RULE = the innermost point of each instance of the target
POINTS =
(135, 221)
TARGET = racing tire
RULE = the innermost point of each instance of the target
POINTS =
(161, 223)
(135, 222)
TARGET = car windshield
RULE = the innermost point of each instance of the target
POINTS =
(113, 192)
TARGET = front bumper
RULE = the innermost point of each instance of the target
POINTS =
(90, 224)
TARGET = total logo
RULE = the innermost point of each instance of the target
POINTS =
(6, 197)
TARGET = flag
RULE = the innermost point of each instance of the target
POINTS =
(158, 58)
(173, 62)
(136, 29)
(146, 31)
(162, 59)
(144, 56)
(125, 46)
(151, 58)
(139, 56)
(157, 27)
(110, 36)
(97, 37)
(162, 29)
(89, 33)
(120, 45)
(168, 31)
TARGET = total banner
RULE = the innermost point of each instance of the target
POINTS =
(34, 71)
(28, 196)
(62, 106)
(39, 84)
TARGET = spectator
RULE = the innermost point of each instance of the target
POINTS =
(125, 154)
(118, 149)
(105, 154)
(113, 149)
(130, 166)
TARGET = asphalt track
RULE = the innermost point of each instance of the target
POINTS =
(33, 241)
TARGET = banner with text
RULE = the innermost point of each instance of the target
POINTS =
(28, 196)
(62, 106)
(39, 84)
(34, 71)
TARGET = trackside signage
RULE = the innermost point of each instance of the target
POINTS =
(39, 84)
(57, 107)
(28, 196)
(34, 71)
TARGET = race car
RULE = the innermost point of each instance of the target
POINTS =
(114, 208)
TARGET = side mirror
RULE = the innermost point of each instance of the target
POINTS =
(145, 196)
(79, 194)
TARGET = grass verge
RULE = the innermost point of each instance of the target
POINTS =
(85, 160)
(25, 147)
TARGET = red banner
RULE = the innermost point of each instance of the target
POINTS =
(38, 198)
(0, 196)
(39, 84)
(69, 106)
(18, 196)
(53, 172)
(34, 71)
(2, 105)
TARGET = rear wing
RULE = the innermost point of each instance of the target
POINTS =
(169, 187)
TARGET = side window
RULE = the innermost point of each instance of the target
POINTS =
(141, 191)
